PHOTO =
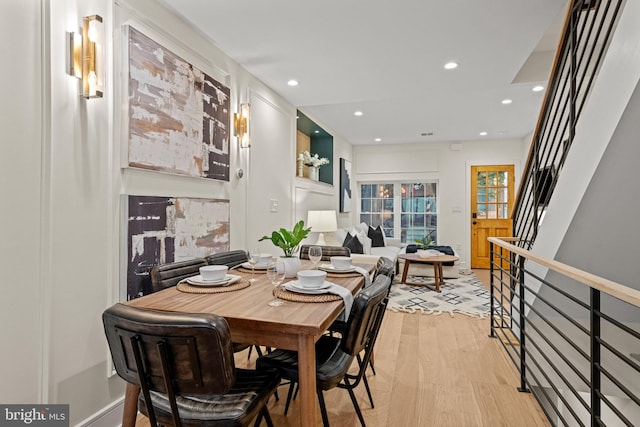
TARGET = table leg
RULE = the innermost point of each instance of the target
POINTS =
(405, 271)
(130, 411)
(437, 272)
(307, 377)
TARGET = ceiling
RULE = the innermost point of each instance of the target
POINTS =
(386, 58)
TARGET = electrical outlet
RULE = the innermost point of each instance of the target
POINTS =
(274, 205)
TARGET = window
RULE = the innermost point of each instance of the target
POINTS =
(418, 217)
(492, 195)
(376, 206)
(405, 210)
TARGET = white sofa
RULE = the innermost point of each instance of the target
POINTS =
(391, 249)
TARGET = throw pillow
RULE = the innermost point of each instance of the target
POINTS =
(366, 242)
(377, 237)
(340, 234)
(353, 243)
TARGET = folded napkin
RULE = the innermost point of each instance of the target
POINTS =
(365, 273)
(346, 297)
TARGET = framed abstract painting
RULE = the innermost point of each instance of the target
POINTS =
(179, 117)
(160, 230)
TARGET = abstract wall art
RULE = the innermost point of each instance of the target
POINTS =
(179, 116)
(167, 229)
(345, 185)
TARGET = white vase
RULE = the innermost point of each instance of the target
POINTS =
(314, 173)
(291, 266)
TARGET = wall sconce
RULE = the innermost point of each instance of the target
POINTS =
(83, 56)
(241, 125)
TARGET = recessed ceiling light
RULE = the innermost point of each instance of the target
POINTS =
(537, 88)
(450, 65)
(483, 133)
(292, 82)
(378, 139)
(316, 131)
(358, 113)
(507, 101)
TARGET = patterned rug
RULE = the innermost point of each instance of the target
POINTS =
(466, 295)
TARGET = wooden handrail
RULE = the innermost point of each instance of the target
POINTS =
(622, 292)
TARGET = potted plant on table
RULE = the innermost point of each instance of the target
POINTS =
(288, 241)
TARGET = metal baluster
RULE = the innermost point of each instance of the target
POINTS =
(595, 357)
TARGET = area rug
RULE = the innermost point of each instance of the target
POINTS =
(466, 295)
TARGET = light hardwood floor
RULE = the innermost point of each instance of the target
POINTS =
(431, 371)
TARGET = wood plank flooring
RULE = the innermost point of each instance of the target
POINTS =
(431, 371)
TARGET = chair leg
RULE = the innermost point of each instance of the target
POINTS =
(289, 396)
(323, 409)
(355, 402)
(366, 386)
(267, 417)
(371, 360)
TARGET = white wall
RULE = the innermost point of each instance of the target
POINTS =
(450, 168)
(22, 168)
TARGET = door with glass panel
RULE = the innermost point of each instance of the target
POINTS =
(491, 203)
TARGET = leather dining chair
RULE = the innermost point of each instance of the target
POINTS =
(230, 258)
(385, 266)
(184, 366)
(327, 252)
(334, 355)
(167, 275)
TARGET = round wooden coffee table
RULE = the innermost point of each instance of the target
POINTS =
(435, 260)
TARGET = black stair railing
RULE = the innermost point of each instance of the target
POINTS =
(574, 337)
(588, 28)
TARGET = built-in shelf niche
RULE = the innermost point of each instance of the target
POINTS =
(312, 138)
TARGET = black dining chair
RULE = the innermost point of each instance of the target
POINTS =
(327, 252)
(230, 258)
(334, 355)
(385, 266)
(184, 366)
(167, 275)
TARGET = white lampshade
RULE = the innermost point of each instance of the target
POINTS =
(322, 222)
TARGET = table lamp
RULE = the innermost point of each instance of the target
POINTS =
(322, 222)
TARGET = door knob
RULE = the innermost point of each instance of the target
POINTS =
(474, 223)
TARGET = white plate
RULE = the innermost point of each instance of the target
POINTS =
(295, 287)
(257, 267)
(331, 269)
(197, 281)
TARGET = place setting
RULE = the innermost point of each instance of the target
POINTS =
(212, 279)
(340, 265)
(312, 286)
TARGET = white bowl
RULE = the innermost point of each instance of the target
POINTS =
(210, 273)
(311, 278)
(341, 262)
(264, 260)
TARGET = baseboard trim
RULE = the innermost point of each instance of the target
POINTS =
(109, 416)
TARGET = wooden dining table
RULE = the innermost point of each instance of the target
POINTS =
(292, 326)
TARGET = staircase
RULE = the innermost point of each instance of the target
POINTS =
(588, 29)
